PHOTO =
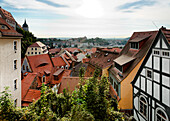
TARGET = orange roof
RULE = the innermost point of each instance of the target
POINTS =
(7, 14)
(55, 50)
(10, 31)
(32, 94)
(85, 60)
(58, 61)
(39, 63)
(26, 83)
(72, 49)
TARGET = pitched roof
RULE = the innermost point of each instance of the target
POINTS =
(7, 14)
(75, 69)
(55, 50)
(58, 61)
(106, 57)
(118, 50)
(59, 71)
(71, 49)
(68, 83)
(10, 32)
(26, 83)
(39, 63)
(132, 53)
(37, 44)
(166, 33)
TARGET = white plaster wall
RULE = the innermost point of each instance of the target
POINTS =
(149, 62)
(158, 44)
(156, 63)
(163, 44)
(7, 72)
(166, 96)
(166, 65)
(166, 80)
(156, 91)
(137, 82)
(149, 87)
(156, 77)
(143, 83)
(143, 72)
(136, 102)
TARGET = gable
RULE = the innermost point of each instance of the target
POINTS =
(25, 66)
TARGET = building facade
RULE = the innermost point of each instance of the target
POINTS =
(36, 48)
(151, 86)
(10, 61)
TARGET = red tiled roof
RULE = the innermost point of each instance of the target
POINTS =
(10, 31)
(32, 94)
(166, 33)
(59, 71)
(39, 63)
(34, 45)
(7, 14)
(68, 83)
(58, 61)
(71, 49)
(26, 83)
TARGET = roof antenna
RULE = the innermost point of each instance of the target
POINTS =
(154, 24)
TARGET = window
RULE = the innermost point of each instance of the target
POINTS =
(35, 48)
(15, 103)
(27, 68)
(143, 106)
(111, 80)
(15, 84)
(31, 52)
(116, 87)
(39, 52)
(32, 48)
(156, 52)
(2, 26)
(118, 67)
(148, 73)
(15, 64)
(161, 115)
(35, 53)
(43, 79)
(134, 45)
(165, 54)
(28, 53)
(23, 67)
(15, 45)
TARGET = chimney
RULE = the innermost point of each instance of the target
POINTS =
(163, 28)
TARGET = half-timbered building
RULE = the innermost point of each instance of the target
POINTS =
(151, 85)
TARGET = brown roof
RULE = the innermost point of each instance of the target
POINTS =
(103, 59)
(34, 45)
(118, 50)
(10, 31)
(7, 14)
(133, 53)
(55, 50)
(138, 39)
(68, 83)
(166, 33)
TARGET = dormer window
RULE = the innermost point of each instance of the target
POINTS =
(108, 60)
(106, 54)
(43, 79)
(134, 45)
(119, 67)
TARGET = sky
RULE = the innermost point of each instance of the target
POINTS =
(91, 18)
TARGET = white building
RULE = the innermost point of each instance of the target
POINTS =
(10, 61)
(151, 86)
(36, 48)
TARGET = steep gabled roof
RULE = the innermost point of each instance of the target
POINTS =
(133, 54)
(7, 14)
(162, 31)
(39, 63)
(9, 32)
(58, 61)
(37, 44)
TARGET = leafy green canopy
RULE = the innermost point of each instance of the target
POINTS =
(89, 102)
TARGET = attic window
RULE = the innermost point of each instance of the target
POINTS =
(156, 52)
(108, 60)
(134, 45)
(165, 54)
(95, 56)
(2, 26)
